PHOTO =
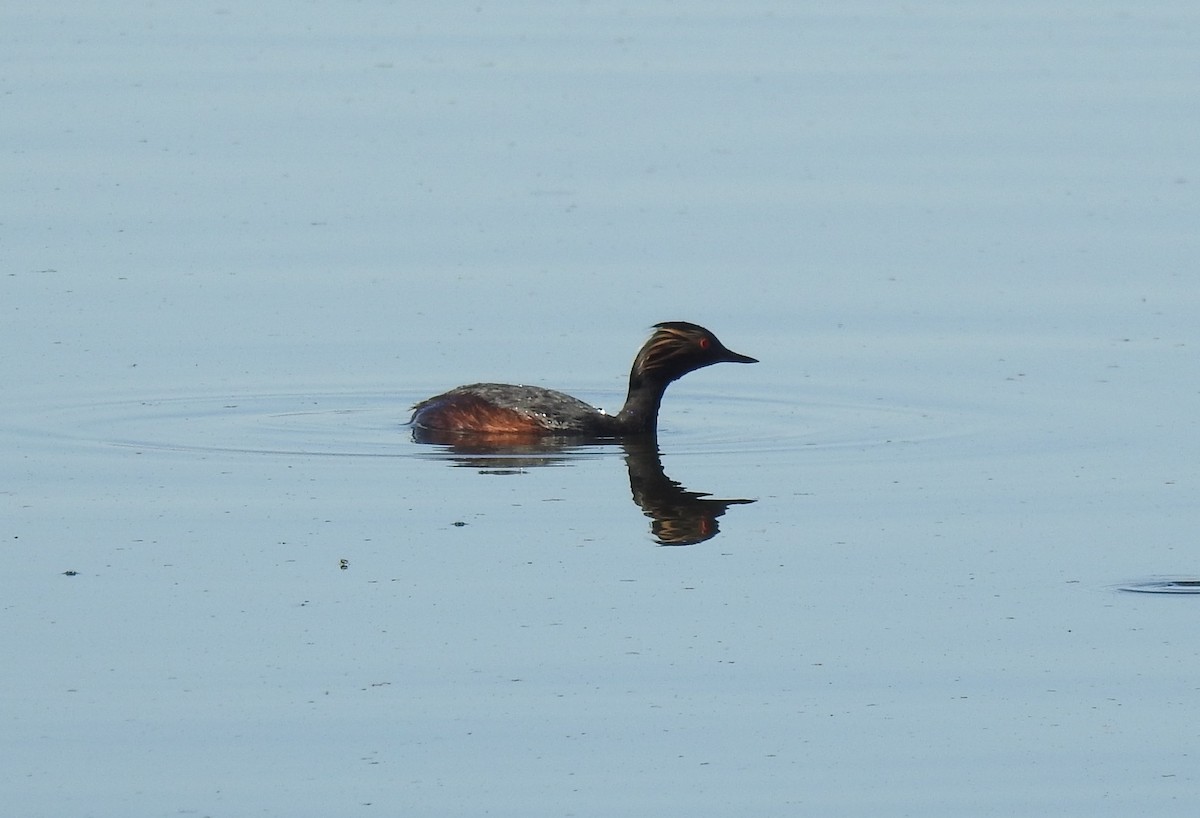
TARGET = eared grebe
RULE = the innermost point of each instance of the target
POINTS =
(675, 349)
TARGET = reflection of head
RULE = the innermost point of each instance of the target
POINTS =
(681, 517)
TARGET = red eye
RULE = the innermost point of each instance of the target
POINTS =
(704, 343)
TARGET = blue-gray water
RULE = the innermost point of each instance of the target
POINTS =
(237, 243)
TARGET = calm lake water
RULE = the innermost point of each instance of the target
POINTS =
(886, 571)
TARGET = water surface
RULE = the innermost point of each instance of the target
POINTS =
(886, 571)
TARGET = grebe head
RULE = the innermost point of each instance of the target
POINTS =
(677, 348)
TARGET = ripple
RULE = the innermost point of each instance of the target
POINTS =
(346, 424)
(1182, 585)
(370, 423)
(722, 424)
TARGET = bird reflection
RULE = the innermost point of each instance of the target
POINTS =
(678, 515)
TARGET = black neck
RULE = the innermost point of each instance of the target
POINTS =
(640, 412)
